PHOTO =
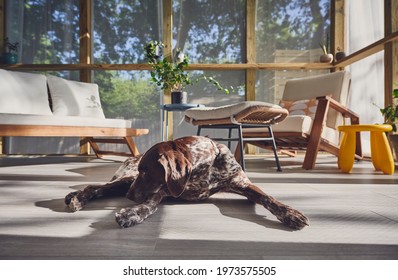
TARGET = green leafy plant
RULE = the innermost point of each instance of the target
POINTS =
(390, 112)
(324, 48)
(169, 73)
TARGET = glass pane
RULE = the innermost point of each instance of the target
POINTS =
(367, 75)
(292, 31)
(210, 31)
(286, 32)
(130, 95)
(271, 84)
(47, 31)
(206, 94)
(122, 28)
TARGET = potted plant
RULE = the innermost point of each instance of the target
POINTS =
(326, 56)
(390, 114)
(170, 74)
(11, 55)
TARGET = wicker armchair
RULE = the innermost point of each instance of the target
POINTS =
(249, 114)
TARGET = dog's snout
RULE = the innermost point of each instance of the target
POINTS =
(139, 191)
(138, 198)
(135, 196)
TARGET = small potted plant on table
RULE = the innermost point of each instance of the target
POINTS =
(169, 74)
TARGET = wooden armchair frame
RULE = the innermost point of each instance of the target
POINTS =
(313, 142)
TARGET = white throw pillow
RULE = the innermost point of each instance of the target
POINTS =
(71, 98)
(23, 93)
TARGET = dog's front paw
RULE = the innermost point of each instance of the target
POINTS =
(128, 217)
(293, 219)
(75, 201)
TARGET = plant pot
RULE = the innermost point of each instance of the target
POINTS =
(179, 97)
(10, 58)
(394, 144)
(326, 58)
(340, 55)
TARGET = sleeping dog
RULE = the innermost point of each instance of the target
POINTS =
(190, 168)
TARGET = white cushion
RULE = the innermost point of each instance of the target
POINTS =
(23, 93)
(71, 98)
(306, 107)
(19, 119)
(335, 84)
(226, 111)
(301, 124)
(332, 84)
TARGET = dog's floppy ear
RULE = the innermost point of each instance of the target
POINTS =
(177, 171)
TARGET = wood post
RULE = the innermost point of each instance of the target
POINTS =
(85, 38)
(251, 48)
(337, 27)
(168, 51)
(2, 25)
(250, 92)
(2, 35)
(390, 50)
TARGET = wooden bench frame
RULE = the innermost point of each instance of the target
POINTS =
(106, 134)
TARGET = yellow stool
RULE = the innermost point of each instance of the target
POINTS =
(382, 158)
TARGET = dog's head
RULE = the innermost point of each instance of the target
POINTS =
(165, 166)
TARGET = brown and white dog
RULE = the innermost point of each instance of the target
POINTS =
(189, 168)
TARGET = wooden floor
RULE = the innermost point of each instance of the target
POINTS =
(352, 216)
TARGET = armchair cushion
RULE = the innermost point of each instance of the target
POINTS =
(253, 112)
(306, 107)
(226, 111)
(335, 85)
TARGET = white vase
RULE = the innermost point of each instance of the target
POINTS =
(326, 58)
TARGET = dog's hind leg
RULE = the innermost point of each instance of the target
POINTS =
(78, 199)
(287, 215)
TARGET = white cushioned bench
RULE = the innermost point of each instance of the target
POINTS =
(39, 105)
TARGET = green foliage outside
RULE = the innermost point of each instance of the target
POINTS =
(207, 31)
(125, 98)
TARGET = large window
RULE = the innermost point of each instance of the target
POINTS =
(47, 31)
(291, 31)
(368, 74)
(120, 31)
(208, 31)
(122, 28)
(288, 31)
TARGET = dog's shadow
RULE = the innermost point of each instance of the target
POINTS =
(55, 205)
(114, 203)
(241, 209)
